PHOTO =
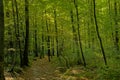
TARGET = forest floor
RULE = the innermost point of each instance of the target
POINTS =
(41, 69)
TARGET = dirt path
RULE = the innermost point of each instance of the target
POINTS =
(41, 69)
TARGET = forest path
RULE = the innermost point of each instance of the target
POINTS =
(41, 69)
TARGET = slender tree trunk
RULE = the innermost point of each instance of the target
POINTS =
(79, 36)
(25, 55)
(1, 41)
(56, 31)
(116, 26)
(48, 39)
(52, 41)
(42, 53)
(98, 34)
(75, 37)
(17, 28)
(36, 44)
(48, 44)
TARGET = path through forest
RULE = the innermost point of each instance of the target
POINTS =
(41, 69)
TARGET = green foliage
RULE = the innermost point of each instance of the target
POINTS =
(111, 73)
(41, 16)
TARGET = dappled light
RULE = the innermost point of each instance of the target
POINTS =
(59, 39)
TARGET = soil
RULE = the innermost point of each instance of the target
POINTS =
(41, 69)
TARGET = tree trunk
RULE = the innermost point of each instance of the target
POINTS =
(98, 34)
(116, 26)
(75, 39)
(56, 31)
(1, 41)
(25, 55)
(42, 53)
(48, 39)
(36, 44)
(17, 27)
(52, 41)
(79, 36)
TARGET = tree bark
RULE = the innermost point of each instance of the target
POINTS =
(25, 55)
(36, 44)
(98, 34)
(17, 27)
(75, 39)
(79, 36)
(43, 39)
(48, 39)
(1, 41)
(116, 26)
(56, 31)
